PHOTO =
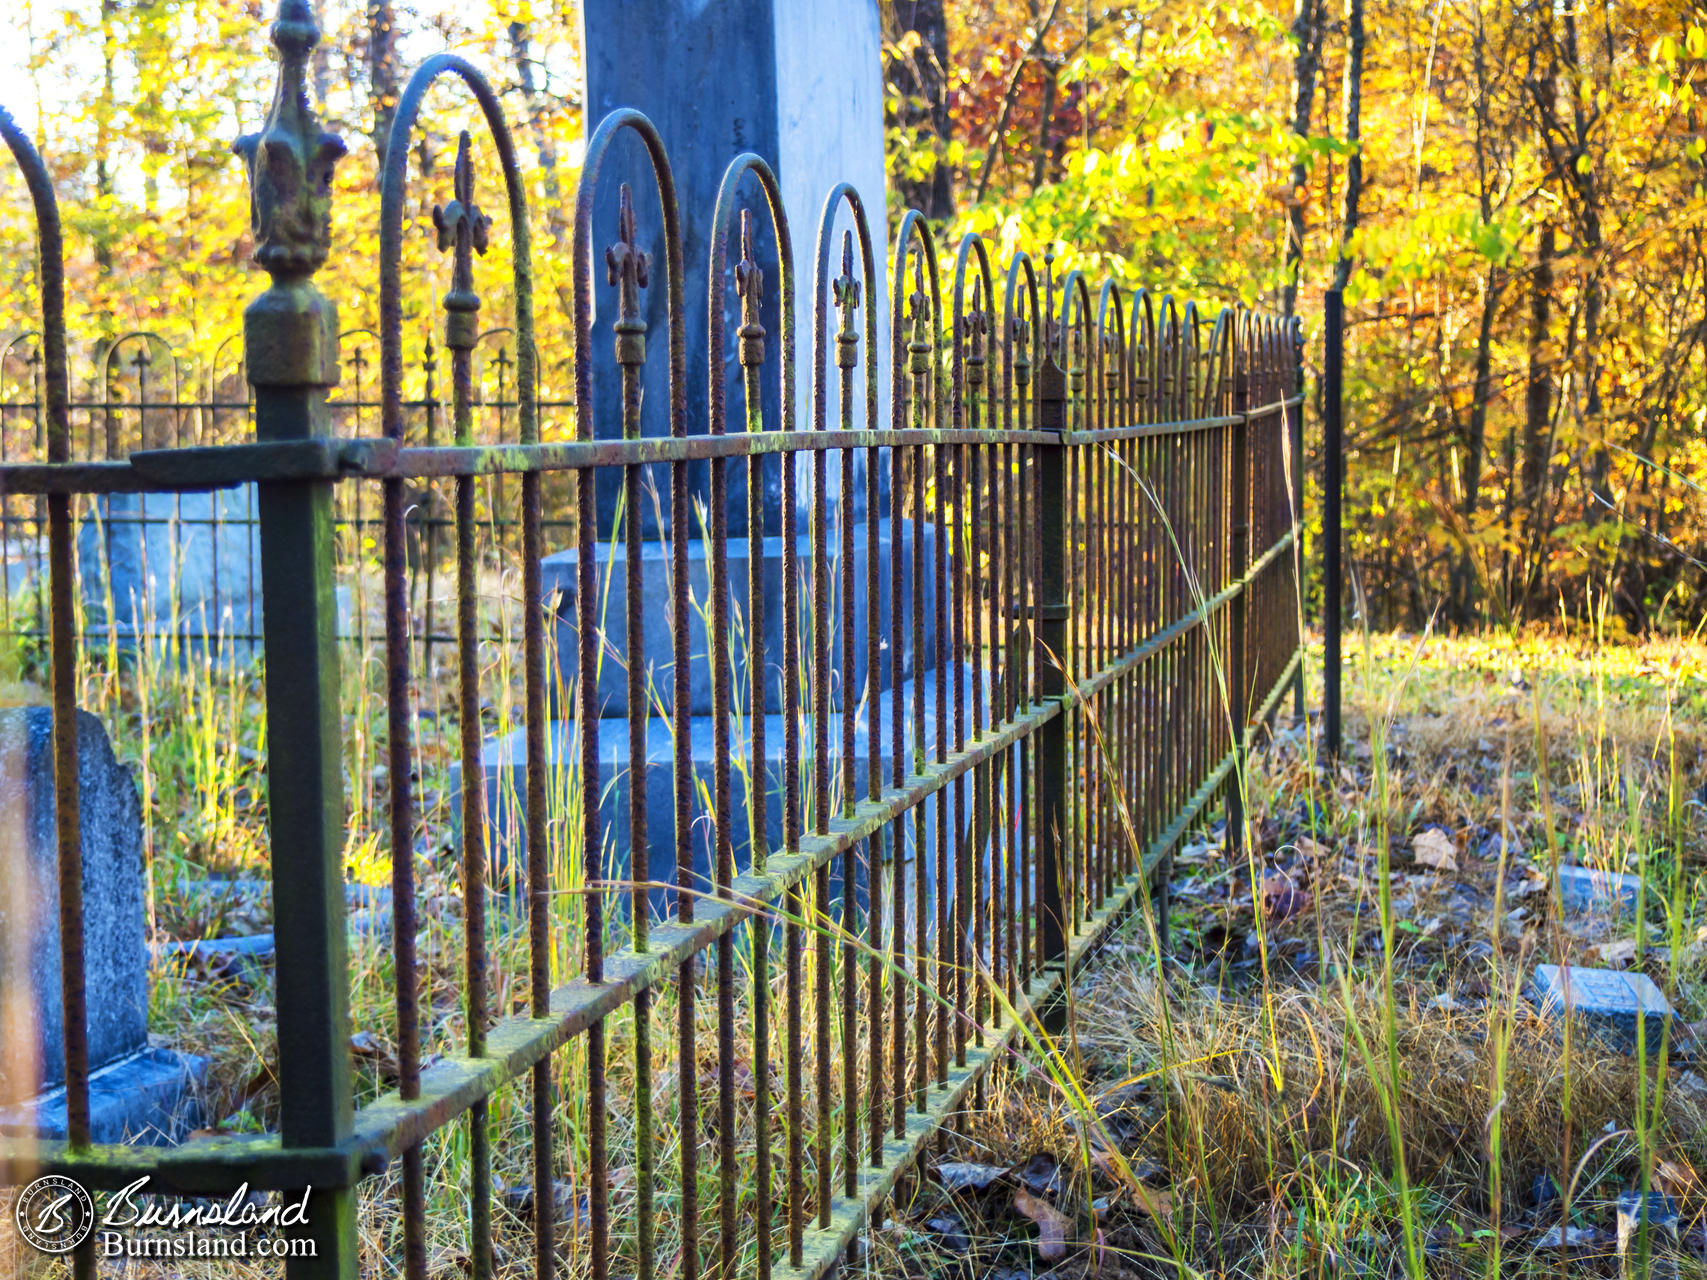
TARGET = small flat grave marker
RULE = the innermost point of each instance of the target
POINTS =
(1585, 889)
(1613, 1005)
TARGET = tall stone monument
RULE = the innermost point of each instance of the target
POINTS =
(799, 82)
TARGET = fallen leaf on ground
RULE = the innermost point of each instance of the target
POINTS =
(1158, 1204)
(1041, 1174)
(1051, 1223)
(1575, 1238)
(963, 1175)
(1434, 849)
(1617, 954)
(951, 1232)
(1280, 900)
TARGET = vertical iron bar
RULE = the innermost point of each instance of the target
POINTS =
(1333, 483)
(463, 227)
(1052, 613)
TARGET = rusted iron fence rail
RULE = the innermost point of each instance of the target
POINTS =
(1099, 560)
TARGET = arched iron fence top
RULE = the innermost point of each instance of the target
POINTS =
(1216, 393)
(218, 354)
(28, 335)
(843, 193)
(50, 249)
(750, 284)
(1075, 310)
(1166, 359)
(1021, 330)
(618, 121)
(905, 305)
(1115, 392)
(1188, 382)
(1250, 356)
(391, 241)
(1257, 357)
(970, 329)
(1141, 342)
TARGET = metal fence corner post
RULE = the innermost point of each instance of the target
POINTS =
(291, 350)
(1055, 841)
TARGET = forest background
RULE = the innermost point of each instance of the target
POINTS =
(1510, 193)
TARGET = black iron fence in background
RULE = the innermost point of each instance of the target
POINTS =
(142, 556)
(1108, 591)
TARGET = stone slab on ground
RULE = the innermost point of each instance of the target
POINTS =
(1586, 889)
(115, 952)
(1613, 1005)
(148, 1098)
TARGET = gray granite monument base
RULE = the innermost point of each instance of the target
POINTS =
(148, 1098)
(505, 764)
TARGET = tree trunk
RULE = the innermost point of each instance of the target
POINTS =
(1353, 135)
(384, 71)
(933, 196)
(521, 53)
(1582, 171)
(1040, 151)
(1538, 391)
(1307, 28)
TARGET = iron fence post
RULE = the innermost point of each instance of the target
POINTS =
(1238, 692)
(291, 338)
(1333, 482)
(1295, 443)
(1054, 840)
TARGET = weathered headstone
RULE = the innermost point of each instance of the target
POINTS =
(135, 1091)
(156, 565)
(1615, 1006)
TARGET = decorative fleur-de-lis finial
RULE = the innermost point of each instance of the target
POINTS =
(750, 285)
(466, 231)
(291, 330)
(919, 348)
(976, 326)
(627, 267)
(1021, 333)
(845, 290)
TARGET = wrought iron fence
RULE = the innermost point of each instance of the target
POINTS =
(995, 725)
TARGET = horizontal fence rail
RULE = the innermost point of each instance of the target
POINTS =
(790, 834)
